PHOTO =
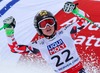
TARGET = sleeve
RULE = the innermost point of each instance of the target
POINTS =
(21, 49)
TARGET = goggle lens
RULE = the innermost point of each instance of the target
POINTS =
(43, 23)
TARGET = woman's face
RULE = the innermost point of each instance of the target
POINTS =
(49, 30)
(47, 26)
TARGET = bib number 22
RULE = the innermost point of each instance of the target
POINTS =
(68, 58)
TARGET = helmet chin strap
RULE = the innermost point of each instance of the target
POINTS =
(51, 36)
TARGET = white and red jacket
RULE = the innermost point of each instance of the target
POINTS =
(59, 51)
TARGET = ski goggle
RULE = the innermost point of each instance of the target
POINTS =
(45, 22)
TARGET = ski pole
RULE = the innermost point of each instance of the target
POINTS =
(4, 26)
(76, 13)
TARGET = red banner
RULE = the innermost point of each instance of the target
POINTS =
(88, 39)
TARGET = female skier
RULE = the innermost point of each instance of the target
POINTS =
(56, 47)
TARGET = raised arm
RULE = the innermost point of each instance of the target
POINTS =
(70, 7)
(10, 24)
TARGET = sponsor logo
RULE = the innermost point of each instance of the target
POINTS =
(56, 47)
(42, 13)
(90, 39)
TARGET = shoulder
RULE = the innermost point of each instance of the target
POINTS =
(36, 44)
(39, 42)
(64, 29)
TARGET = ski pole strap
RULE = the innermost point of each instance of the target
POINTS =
(76, 12)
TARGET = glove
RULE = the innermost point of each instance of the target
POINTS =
(69, 7)
(9, 25)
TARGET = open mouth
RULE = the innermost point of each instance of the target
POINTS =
(48, 30)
